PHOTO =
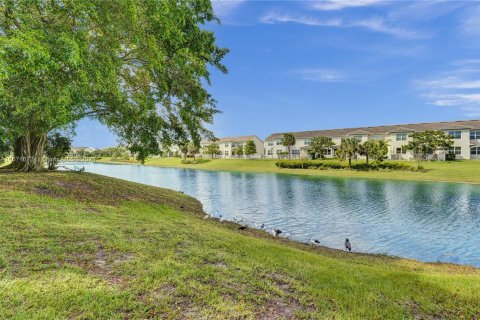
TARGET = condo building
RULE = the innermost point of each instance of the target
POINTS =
(466, 138)
(228, 145)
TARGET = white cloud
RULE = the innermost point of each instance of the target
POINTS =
(320, 75)
(471, 24)
(456, 88)
(223, 8)
(272, 18)
(379, 25)
(374, 24)
(328, 5)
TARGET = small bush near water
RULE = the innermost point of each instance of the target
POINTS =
(329, 164)
(195, 161)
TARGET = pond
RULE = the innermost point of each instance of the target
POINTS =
(420, 220)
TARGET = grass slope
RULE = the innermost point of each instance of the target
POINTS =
(82, 246)
(455, 171)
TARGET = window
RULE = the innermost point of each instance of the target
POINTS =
(233, 145)
(270, 143)
(226, 153)
(226, 145)
(279, 142)
(328, 152)
(307, 142)
(475, 151)
(401, 136)
(359, 138)
(475, 135)
(297, 152)
(270, 152)
(455, 150)
(401, 151)
(455, 134)
(377, 138)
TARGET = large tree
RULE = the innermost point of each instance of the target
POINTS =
(349, 147)
(424, 144)
(288, 141)
(367, 149)
(212, 149)
(140, 67)
(320, 145)
(250, 148)
(380, 150)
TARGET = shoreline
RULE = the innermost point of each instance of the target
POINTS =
(266, 234)
(329, 173)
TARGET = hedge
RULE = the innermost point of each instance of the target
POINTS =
(324, 165)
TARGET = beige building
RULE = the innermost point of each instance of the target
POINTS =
(466, 137)
(228, 145)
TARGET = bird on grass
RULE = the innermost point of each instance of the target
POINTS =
(207, 216)
(315, 242)
(348, 245)
(277, 232)
(242, 227)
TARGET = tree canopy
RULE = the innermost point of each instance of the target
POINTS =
(425, 144)
(212, 149)
(288, 141)
(139, 67)
(349, 147)
(250, 148)
(320, 145)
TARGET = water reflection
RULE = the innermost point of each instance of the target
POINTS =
(426, 221)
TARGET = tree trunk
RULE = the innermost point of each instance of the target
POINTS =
(366, 158)
(349, 162)
(28, 153)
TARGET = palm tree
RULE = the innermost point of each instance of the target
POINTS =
(288, 141)
(349, 147)
(367, 149)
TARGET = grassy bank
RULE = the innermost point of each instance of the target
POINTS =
(453, 171)
(82, 246)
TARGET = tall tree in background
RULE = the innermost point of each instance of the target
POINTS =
(349, 147)
(424, 144)
(380, 151)
(138, 67)
(367, 149)
(250, 148)
(288, 141)
(238, 150)
(212, 149)
(320, 145)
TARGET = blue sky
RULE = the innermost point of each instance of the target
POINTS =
(306, 65)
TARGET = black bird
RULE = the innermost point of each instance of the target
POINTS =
(348, 245)
(315, 242)
(242, 227)
(277, 232)
(262, 226)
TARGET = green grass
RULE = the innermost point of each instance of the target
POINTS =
(451, 171)
(82, 246)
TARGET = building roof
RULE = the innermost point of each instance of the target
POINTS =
(381, 130)
(233, 139)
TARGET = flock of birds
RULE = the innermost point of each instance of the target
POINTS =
(276, 232)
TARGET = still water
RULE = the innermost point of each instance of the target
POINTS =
(424, 221)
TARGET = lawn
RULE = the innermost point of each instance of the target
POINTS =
(83, 246)
(452, 171)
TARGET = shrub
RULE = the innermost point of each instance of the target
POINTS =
(449, 157)
(329, 164)
(195, 161)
